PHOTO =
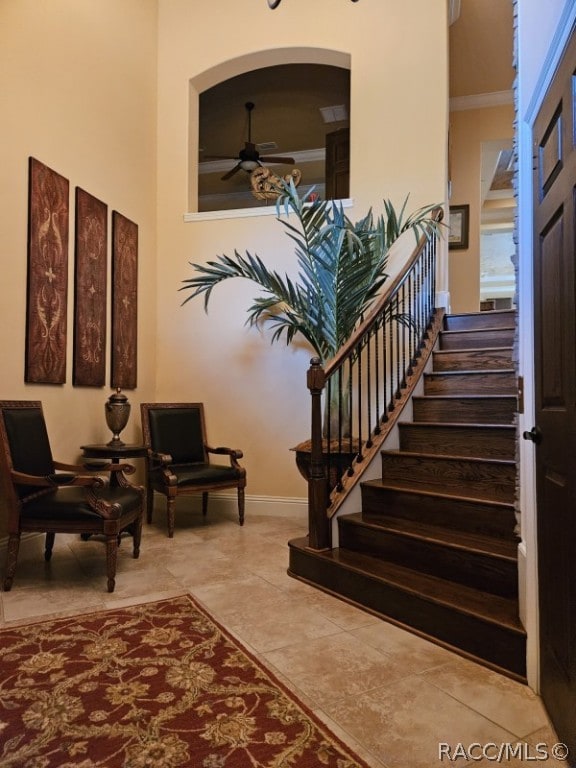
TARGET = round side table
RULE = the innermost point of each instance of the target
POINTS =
(116, 452)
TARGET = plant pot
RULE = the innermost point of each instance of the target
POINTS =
(335, 463)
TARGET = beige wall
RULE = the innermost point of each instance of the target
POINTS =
(78, 92)
(468, 129)
(81, 84)
(255, 393)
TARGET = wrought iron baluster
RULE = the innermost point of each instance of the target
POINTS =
(376, 337)
(369, 336)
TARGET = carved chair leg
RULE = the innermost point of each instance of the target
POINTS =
(149, 503)
(241, 506)
(111, 558)
(171, 512)
(204, 503)
(11, 559)
(137, 535)
(49, 546)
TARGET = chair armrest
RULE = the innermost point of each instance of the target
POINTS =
(159, 464)
(158, 459)
(101, 465)
(233, 453)
(55, 480)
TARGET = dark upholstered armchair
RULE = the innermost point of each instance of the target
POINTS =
(178, 459)
(46, 496)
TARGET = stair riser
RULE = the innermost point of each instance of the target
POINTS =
(483, 442)
(480, 383)
(476, 479)
(493, 644)
(473, 360)
(494, 410)
(475, 320)
(479, 570)
(499, 337)
(386, 503)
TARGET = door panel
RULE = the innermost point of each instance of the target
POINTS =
(555, 389)
(338, 164)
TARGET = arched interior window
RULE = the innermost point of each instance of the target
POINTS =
(298, 112)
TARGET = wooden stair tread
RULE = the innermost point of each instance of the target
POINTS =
(472, 542)
(435, 493)
(445, 457)
(465, 395)
(478, 330)
(457, 425)
(473, 372)
(486, 319)
(450, 493)
(487, 607)
(471, 350)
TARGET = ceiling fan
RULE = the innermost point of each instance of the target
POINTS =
(249, 158)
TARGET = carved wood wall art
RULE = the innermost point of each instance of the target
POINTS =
(47, 289)
(124, 302)
(90, 291)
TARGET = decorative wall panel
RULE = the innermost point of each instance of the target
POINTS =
(124, 302)
(47, 294)
(90, 291)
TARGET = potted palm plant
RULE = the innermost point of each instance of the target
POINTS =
(341, 270)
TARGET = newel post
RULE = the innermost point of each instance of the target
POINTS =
(318, 523)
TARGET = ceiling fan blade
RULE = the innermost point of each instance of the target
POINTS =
(231, 173)
(283, 160)
(203, 158)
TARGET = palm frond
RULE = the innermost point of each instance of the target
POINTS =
(341, 268)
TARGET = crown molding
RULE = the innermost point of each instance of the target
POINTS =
(481, 100)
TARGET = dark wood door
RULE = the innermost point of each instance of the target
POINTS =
(555, 386)
(338, 164)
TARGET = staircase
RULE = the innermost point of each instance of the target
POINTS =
(434, 547)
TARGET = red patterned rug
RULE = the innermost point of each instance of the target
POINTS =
(158, 685)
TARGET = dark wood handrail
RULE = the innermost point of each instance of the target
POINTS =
(389, 288)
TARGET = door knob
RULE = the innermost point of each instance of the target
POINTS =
(534, 434)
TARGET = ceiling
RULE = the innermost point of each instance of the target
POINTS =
(288, 98)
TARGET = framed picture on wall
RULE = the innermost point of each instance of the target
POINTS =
(458, 226)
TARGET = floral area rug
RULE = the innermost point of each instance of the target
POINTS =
(158, 685)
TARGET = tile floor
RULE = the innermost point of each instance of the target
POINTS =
(395, 698)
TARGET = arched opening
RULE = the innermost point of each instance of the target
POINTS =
(290, 103)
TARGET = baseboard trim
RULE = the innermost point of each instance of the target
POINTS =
(276, 506)
(295, 508)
